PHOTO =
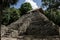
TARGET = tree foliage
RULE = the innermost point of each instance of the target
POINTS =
(25, 7)
(4, 4)
(53, 10)
(51, 3)
(7, 3)
(54, 15)
(10, 15)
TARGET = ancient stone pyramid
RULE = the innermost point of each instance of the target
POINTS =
(34, 23)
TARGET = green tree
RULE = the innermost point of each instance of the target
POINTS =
(4, 4)
(25, 7)
(10, 15)
(53, 10)
(51, 3)
(7, 3)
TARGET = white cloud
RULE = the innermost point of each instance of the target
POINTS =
(33, 4)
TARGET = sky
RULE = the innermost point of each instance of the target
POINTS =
(18, 5)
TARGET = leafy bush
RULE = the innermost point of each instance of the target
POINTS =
(10, 15)
(25, 8)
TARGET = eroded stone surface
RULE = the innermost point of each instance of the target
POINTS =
(4, 38)
(33, 23)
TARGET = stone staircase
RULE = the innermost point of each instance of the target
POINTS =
(7, 33)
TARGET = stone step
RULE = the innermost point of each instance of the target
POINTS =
(7, 33)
